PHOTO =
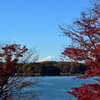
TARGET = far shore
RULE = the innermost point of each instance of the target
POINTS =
(38, 74)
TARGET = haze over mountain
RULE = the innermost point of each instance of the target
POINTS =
(49, 58)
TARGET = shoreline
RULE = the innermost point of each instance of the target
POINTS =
(38, 74)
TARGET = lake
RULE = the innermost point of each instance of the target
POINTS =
(55, 87)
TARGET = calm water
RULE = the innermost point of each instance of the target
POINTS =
(55, 87)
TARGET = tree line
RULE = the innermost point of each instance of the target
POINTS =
(50, 68)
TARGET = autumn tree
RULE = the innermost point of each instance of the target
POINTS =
(30, 55)
(10, 84)
(85, 36)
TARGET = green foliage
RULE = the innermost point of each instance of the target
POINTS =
(51, 68)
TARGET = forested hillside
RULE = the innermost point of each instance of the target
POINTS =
(50, 68)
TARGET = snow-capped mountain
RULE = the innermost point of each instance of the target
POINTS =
(49, 58)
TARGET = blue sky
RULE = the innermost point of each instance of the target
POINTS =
(35, 23)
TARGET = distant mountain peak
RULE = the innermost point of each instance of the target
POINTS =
(49, 58)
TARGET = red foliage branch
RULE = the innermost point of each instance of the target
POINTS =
(10, 53)
(86, 34)
(86, 92)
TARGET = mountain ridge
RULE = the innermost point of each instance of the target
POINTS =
(49, 58)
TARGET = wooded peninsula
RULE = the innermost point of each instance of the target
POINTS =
(49, 68)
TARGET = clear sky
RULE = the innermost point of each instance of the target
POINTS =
(35, 23)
